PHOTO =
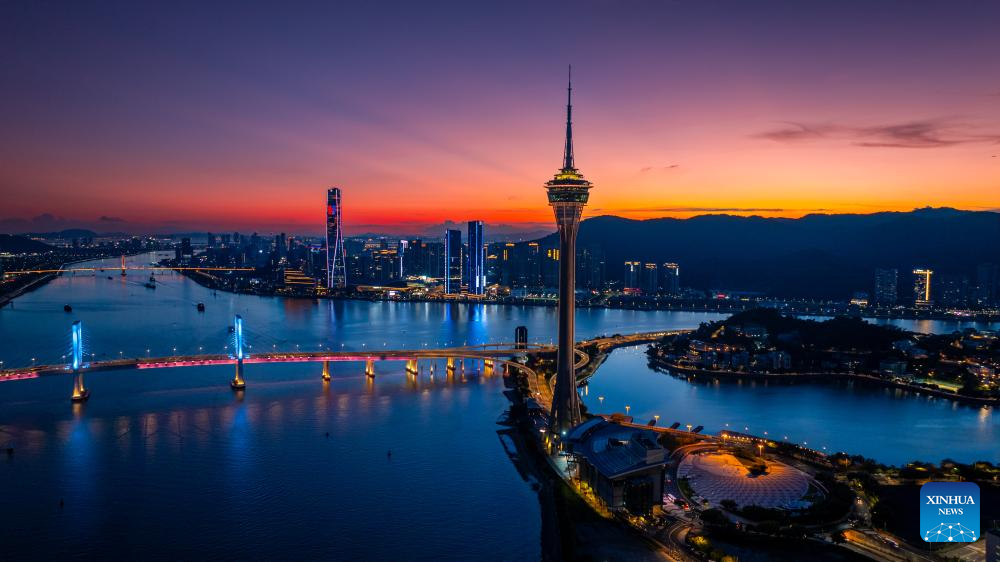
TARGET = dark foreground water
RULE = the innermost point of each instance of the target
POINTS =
(171, 464)
(174, 465)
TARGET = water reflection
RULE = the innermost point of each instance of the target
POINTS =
(293, 460)
(889, 424)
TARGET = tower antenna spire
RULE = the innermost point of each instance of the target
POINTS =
(568, 151)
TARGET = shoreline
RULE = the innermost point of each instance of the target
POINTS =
(200, 280)
(672, 369)
(45, 278)
(37, 283)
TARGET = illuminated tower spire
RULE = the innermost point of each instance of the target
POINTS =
(568, 193)
(568, 151)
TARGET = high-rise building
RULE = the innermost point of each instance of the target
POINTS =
(336, 256)
(452, 261)
(185, 252)
(671, 276)
(650, 278)
(402, 247)
(886, 286)
(922, 287)
(590, 269)
(568, 192)
(631, 279)
(477, 259)
(987, 283)
(952, 290)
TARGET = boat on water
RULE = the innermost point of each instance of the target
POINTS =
(150, 285)
(201, 307)
(67, 308)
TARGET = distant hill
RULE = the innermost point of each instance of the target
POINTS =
(66, 234)
(20, 244)
(817, 255)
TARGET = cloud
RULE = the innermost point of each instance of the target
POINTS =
(930, 133)
(797, 132)
(648, 169)
(105, 218)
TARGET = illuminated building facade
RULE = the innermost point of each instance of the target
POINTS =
(568, 192)
(336, 256)
(632, 272)
(922, 287)
(477, 259)
(453, 261)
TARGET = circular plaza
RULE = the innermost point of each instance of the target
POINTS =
(719, 476)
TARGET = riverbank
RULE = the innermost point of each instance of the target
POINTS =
(646, 304)
(31, 285)
(42, 279)
(673, 368)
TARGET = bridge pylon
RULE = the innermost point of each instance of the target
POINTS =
(451, 364)
(326, 370)
(80, 392)
(238, 383)
(370, 367)
(123, 266)
(411, 366)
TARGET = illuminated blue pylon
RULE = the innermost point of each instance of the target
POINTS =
(80, 392)
(238, 383)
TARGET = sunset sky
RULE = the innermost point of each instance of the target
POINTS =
(179, 116)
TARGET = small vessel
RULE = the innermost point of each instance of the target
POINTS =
(201, 307)
(150, 285)
(67, 308)
(110, 277)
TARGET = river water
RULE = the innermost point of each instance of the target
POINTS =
(172, 464)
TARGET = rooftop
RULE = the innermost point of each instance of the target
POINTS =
(615, 450)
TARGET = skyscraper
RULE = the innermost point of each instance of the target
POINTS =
(631, 279)
(568, 192)
(452, 261)
(922, 287)
(671, 279)
(477, 259)
(650, 278)
(987, 282)
(336, 256)
(886, 286)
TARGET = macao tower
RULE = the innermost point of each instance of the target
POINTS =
(568, 192)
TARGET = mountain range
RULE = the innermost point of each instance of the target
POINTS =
(817, 255)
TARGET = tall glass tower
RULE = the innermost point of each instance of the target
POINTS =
(452, 261)
(477, 259)
(336, 255)
(568, 192)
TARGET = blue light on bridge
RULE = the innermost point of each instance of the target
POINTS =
(77, 345)
(238, 330)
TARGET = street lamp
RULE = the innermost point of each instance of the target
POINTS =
(627, 408)
(601, 400)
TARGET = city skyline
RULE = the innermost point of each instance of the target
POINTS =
(685, 127)
(297, 272)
